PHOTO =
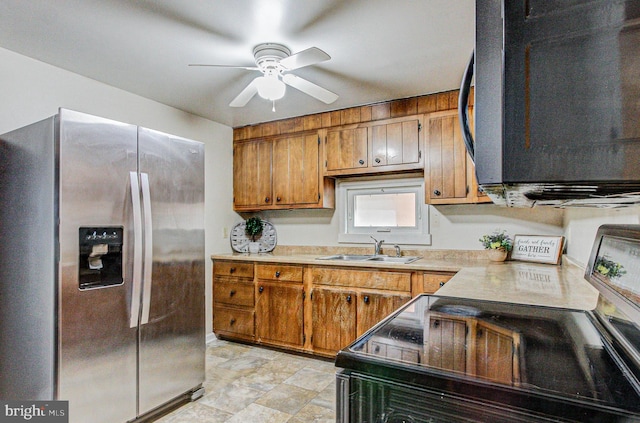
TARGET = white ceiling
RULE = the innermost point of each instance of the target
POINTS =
(380, 49)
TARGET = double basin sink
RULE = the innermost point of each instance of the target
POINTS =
(371, 257)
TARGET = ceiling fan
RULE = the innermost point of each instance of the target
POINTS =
(275, 61)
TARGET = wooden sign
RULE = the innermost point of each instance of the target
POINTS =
(537, 248)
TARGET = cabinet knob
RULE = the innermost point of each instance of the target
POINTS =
(436, 323)
(278, 198)
(377, 160)
(267, 199)
(349, 298)
(366, 299)
(377, 349)
(361, 161)
(261, 289)
(442, 283)
(232, 270)
(232, 293)
(277, 273)
(232, 321)
(436, 192)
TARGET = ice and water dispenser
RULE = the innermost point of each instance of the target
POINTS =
(100, 256)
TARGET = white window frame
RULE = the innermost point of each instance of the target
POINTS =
(347, 189)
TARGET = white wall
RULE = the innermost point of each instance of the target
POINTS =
(456, 227)
(581, 225)
(32, 90)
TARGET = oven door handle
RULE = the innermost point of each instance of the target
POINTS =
(463, 109)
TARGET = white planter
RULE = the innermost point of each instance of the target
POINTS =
(254, 247)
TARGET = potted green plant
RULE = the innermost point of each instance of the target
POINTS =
(253, 229)
(498, 243)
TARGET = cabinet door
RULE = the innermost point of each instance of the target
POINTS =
(252, 174)
(347, 149)
(446, 343)
(501, 345)
(334, 319)
(295, 170)
(279, 313)
(395, 143)
(446, 164)
(372, 307)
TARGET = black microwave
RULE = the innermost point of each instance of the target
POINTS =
(557, 101)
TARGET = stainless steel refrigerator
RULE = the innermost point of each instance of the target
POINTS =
(101, 267)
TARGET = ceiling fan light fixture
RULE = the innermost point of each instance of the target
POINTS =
(270, 87)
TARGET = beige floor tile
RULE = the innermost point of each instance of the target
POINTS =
(258, 413)
(311, 379)
(287, 398)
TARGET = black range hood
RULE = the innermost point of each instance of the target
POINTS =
(557, 102)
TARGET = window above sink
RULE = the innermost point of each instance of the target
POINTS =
(393, 210)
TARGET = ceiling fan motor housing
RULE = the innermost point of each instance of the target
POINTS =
(268, 56)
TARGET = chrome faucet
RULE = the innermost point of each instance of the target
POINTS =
(377, 245)
(398, 252)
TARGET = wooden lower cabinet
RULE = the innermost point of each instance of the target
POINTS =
(334, 319)
(233, 300)
(432, 281)
(310, 308)
(375, 306)
(279, 313)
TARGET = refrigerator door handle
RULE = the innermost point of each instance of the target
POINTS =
(137, 250)
(148, 249)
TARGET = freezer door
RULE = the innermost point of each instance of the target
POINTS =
(97, 356)
(172, 336)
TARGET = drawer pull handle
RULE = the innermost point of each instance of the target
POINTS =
(366, 299)
(232, 270)
(232, 293)
(277, 274)
(442, 283)
(349, 298)
(261, 289)
(232, 321)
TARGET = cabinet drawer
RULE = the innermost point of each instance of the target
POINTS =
(279, 272)
(233, 320)
(234, 293)
(233, 268)
(431, 282)
(394, 281)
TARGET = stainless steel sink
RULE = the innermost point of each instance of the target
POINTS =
(348, 257)
(391, 259)
(371, 257)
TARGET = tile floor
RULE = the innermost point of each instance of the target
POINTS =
(254, 384)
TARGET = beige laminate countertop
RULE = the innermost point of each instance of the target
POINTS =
(515, 282)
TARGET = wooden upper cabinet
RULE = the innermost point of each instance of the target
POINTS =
(296, 170)
(449, 173)
(252, 174)
(346, 149)
(391, 145)
(396, 143)
(280, 172)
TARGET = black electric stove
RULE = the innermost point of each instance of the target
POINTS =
(443, 359)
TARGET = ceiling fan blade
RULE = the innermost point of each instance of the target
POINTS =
(245, 95)
(309, 88)
(225, 66)
(307, 57)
